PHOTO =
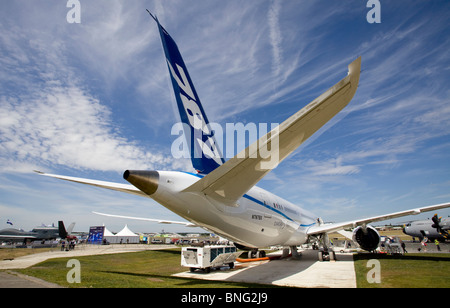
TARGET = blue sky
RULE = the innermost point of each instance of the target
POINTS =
(94, 99)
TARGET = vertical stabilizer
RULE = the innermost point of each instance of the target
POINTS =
(203, 148)
(62, 230)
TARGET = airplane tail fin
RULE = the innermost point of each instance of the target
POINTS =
(62, 229)
(204, 152)
(70, 229)
(63, 233)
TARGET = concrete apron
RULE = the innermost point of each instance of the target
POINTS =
(307, 272)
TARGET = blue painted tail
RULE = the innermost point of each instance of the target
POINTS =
(203, 149)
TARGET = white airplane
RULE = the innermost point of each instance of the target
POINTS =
(222, 196)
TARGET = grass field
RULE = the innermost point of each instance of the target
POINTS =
(146, 269)
(13, 253)
(419, 270)
(153, 269)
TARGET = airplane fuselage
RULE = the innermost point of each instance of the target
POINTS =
(258, 219)
(424, 228)
(41, 233)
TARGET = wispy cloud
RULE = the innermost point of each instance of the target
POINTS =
(65, 126)
(97, 95)
(48, 117)
(276, 36)
(331, 167)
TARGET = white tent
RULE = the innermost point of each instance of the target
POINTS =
(126, 236)
(108, 236)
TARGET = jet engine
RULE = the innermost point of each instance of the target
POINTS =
(366, 237)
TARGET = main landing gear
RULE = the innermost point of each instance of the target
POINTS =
(320, 242)
(287, 252)
(256, 254)
(325, 253)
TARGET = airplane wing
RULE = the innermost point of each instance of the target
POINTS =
(118, 187)
(130, 189)
(161, 221)
(230, 181)
(334, 227)
(6, 237)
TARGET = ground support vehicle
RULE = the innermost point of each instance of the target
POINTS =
(208, 257)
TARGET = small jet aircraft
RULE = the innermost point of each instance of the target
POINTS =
(222, 196)
(37, 234)
(428, 228)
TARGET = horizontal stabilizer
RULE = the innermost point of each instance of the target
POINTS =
(238, 175)
(161, 221)
(130, 189)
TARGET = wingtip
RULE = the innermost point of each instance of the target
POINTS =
(153, 16)
(355, 66)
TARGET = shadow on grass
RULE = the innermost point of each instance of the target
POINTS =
(189, 283)
(412, 257)
(168, 251)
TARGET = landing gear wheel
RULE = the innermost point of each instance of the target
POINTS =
(332, 256)
(327, 256)
(322, 241)
(260, 254)
(252, 254)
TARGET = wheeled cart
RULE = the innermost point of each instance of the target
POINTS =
(208, 257)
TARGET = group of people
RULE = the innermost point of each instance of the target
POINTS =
(423, 243)
(70, 245)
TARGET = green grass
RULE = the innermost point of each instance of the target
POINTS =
(146, 269)
(420, 270)
(153, 269)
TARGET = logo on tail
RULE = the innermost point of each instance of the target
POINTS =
(204, 153)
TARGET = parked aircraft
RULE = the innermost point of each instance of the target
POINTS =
(222, 197)
(37, 234)
(427, 228)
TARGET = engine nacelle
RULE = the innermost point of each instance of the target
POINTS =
(367, 238)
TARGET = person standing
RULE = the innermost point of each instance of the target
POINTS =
(424, 243)
(437, 245)
(403, 247)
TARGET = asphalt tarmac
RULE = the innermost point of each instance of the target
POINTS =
(10, 279)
